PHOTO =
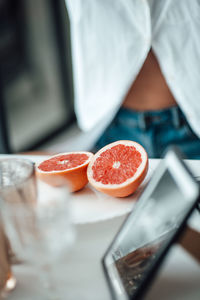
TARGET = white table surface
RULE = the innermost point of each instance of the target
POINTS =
(96, 226)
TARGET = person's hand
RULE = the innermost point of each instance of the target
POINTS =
(190, 241)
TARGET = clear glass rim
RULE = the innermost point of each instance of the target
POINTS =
(30, 173)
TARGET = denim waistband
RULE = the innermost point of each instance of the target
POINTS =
(145, 119)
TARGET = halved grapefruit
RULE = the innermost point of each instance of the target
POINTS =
(65, 168)
(118, 168)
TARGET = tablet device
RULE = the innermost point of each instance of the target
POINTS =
(156, 222)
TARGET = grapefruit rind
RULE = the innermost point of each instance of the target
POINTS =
(75, 178)
(128, 186)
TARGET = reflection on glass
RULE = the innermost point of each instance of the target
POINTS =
(132, 267)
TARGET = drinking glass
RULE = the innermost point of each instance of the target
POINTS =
(39, 228)
(7, 279)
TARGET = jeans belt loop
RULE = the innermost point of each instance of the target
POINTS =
(176, 117)
(142, 121)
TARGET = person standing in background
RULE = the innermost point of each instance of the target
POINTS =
(136, 68)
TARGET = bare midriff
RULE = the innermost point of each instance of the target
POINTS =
(149, 91)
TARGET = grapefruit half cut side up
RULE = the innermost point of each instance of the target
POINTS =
(65, 169)
(118, 168)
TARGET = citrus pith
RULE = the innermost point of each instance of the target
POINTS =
(118, 168)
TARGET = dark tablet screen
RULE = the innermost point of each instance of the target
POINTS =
(162, 209)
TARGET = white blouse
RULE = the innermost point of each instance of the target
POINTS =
(110, 42)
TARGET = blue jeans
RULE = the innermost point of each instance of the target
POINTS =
(154, 130)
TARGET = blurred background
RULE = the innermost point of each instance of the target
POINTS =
(36, 86)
